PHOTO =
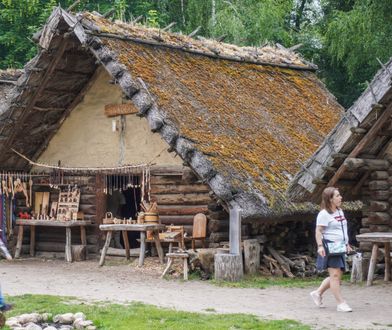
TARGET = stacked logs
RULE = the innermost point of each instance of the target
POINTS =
(179, 195)
(377, 213)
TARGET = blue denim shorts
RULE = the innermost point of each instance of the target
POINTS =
(330, 262)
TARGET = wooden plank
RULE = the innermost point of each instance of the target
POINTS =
(175, 189)
(32, 241)
(176, 199)
(136, 227)
(52, 223)
(372, 265)
(181, 209)
(112, 110)
(252, 256)
(105, 248)
(19, 242)
(176, 219)
(126, 244)
(387, 253)
(68, 240)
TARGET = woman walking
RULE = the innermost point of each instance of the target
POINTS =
(331, 227)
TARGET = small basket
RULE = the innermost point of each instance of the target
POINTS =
(108, 220)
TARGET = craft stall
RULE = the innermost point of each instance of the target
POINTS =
(44, 204)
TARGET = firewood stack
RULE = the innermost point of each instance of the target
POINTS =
(274, 263)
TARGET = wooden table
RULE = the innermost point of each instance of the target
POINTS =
(142, 228)
(50, 223)
(376, 239)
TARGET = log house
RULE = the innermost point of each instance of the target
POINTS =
(356, 157)
(227, 127)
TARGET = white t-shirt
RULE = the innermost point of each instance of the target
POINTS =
(333, 225)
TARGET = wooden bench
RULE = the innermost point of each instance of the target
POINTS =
(51, 223)
(142, 228)
(376, 239)
(177, 255)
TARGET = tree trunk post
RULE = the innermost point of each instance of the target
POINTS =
(229, 266)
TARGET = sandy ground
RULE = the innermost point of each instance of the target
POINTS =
(122, 282)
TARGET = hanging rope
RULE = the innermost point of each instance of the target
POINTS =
(95, 169)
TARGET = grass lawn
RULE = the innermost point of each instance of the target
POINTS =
(259, 282)
(140, 316)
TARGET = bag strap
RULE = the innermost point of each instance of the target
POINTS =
(341, 222)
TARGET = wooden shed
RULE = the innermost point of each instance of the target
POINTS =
(226, 127)
(356, 157)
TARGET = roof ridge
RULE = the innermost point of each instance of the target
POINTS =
(265, 55)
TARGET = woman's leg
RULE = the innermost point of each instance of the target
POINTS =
(335, 275)
(324, 286)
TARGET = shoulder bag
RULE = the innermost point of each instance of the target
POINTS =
(335, 248)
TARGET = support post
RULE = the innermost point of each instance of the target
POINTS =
(235, 230)
(229, 267)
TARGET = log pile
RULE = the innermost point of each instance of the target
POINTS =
(376, 211)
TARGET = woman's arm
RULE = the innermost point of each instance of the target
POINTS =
(319, 237)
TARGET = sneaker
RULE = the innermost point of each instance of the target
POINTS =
(343, 307)
(6, 307)
(317, 299)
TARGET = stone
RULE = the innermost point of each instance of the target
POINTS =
(26, 318)
(79, 315)
(50, 328)
(13, 322)
(66, 318)
(81, 324)
(32, 326)
(91, 327)
(66, 327)
(46, 316)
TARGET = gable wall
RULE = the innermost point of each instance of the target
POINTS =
(86, 138)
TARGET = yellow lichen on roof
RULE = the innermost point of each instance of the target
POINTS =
(267, 53)
(257, 124)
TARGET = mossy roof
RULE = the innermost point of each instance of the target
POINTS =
(257, 124)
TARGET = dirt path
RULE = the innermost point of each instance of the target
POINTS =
(124, 283)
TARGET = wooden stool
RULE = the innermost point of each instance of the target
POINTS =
(174, 255)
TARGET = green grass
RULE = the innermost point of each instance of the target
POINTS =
(259, 282)
(139, 316)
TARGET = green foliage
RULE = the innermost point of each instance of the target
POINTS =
(108, 316)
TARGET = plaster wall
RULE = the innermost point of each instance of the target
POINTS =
(86, 138)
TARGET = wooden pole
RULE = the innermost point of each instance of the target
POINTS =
(235, 230)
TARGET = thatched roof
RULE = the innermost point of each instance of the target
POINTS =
(364, 132)
(244, 119)
(8, 79)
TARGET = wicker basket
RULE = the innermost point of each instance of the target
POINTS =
(108, 220)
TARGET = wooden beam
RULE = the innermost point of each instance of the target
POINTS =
(358, 130)
(194, 32)
(47, 109)
(169, 26)
(55, 60)
(369, 136)
(367, 164)
(137, 19)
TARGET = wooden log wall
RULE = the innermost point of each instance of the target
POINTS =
(377, 196)
(179, 195)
